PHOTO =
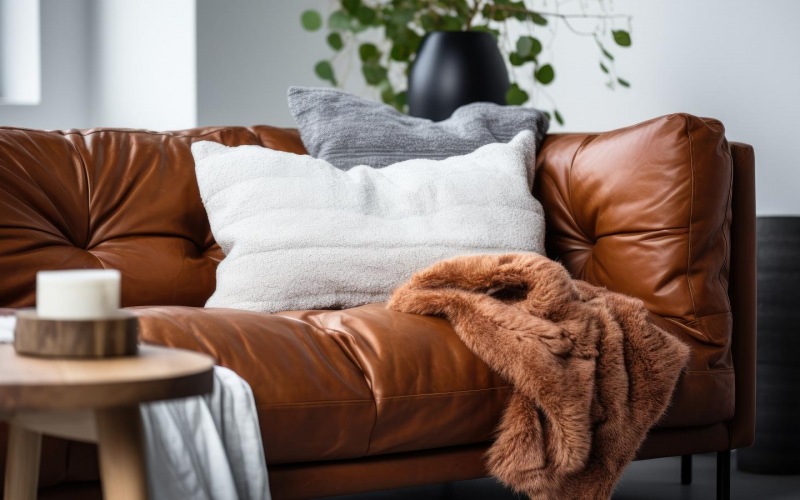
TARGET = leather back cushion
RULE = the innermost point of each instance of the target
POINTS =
(124, 199)
(646, 211)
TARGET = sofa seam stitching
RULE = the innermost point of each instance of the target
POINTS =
(315, 403)
(443, 394)
(85, 168)
(355, 359)
(687, 123)
(712, 371)
(727, 221)
(570, 206)
(374, 399)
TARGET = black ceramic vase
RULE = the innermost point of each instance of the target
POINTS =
(453, 68)
(777, 445)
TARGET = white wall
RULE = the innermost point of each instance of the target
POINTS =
(116, 63)
(64, 70)
(735, 60)
(248, 53)
(20, 55)
(132, 64)
(143, 64)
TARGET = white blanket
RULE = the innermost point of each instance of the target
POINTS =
(200, 448)
(7, 324)
(208, 447)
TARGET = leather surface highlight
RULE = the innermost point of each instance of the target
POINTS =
(312, 399)
(423, 378)
(351, 383)
(646, 211)
(113, 198)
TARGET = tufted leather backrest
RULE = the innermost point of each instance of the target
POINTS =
(646, 211)
(107, 198)
(643, 210)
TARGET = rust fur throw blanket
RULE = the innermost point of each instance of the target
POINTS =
(590, 373)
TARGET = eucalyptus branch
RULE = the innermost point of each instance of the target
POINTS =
(402, 24)
(576, 31)
(511, 9)
(585, 16)
(476, 8)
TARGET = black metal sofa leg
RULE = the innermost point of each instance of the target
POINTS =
(686, 469)
(724, 475)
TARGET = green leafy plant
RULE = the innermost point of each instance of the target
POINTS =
(383, 37)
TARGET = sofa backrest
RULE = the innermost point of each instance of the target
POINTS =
(110, 198)
(664, 211)
(644, 210)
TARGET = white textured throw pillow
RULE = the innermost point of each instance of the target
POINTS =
(299, 233)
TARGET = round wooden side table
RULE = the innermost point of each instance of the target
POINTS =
(91, 400)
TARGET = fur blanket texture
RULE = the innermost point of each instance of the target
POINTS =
(590, 373)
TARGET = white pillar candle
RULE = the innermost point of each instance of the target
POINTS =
(77, 294)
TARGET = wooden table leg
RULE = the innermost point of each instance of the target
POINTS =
(22, 463)
(121, 451)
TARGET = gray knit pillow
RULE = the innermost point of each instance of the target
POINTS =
(347, 130)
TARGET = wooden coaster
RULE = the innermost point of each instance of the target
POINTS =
(113, 336)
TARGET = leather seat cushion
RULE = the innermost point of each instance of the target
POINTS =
(327, 384)
(344, 384)
(352, 383)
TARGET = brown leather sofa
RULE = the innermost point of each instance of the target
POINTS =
(365, 398)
